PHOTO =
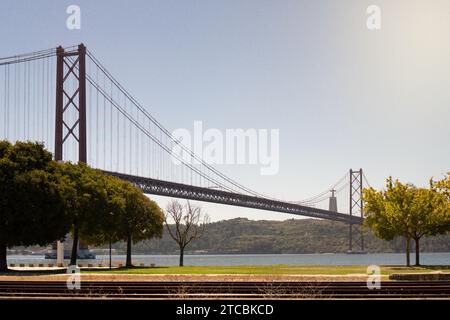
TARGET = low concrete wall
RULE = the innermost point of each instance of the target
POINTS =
(420, 276)
(80, 265)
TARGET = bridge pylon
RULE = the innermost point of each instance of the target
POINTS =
(70, 65)
(65, 99)
(356, 207)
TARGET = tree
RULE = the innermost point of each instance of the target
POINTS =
(386, 211)
(85, 200)
(429, 216)
(407, 211)
(31, 206)
(189, 224)
(443, 186)
(138, 218)
(104, 228)
(130, 216)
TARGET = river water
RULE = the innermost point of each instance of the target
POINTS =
(258, 259)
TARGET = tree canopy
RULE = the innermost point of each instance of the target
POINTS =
(85, 199)
(407, 211)
(138, 217)
(31, 206)
(129, 215)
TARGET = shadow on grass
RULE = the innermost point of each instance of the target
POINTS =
(421, 267)
(115, 269)
(32, 272)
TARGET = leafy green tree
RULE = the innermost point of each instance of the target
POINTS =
(138, 217)
(386, 212)
(429, 216)
(407, 211)
(104, 228)
(85, 200)
(443, 186)
(130, 216)
(31, 207)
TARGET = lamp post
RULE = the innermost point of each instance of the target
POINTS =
(110, 249)
(111, 214)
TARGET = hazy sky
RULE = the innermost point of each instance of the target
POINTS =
(341, 95)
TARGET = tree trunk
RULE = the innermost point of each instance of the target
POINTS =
(3, 259)
(73, 256)
(181, 256)
(128, 263)
(417, 252)
(408, 261)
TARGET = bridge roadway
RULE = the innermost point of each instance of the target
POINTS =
(178, 190)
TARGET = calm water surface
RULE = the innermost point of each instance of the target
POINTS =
(259, 259)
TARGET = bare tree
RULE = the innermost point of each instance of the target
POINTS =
(189, 224)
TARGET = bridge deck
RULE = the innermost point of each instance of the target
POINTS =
(178, 190)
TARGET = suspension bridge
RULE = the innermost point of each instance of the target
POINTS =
(66, 99)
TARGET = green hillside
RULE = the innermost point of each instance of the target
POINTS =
(290, 236)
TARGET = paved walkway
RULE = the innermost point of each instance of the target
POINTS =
(183, 277)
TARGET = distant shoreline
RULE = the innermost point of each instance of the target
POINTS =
(433, 258)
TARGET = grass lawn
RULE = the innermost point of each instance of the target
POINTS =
(274, 269)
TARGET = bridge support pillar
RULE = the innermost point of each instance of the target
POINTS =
(70, 64)
(356, 208)
(67, 64)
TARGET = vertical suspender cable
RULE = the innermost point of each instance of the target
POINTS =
(89, 112)
(104, 126)
(97, 162)
(111, 131)
(41, 110)
(138, 147)
(5, 112)
(124, 139)
(118, 136)
(47, 105)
